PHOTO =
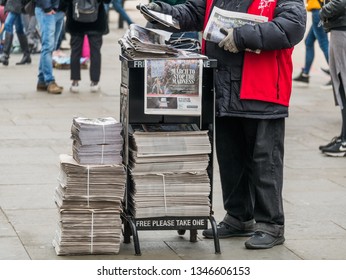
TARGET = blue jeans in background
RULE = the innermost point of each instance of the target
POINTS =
(50, 27)
(316, 32)
(16, 20)
(117, 5)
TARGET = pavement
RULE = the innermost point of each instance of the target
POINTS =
(35, 130)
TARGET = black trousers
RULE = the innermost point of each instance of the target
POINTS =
(250, 155)
(95, 42)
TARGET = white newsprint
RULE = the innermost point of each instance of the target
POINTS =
(220, 18)
(173, 86)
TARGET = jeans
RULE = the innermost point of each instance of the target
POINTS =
(14, 19)
(50, 27)
(316, 32)
(250, 155)
(117, 5)
(95, 42)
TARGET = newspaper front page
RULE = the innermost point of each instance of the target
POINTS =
(173, 86)
(220, 18)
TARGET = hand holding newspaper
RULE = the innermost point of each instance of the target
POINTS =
(164, 19)
(221, 19)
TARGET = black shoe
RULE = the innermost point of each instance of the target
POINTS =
(262, 240)
(224, 231)
(336, 139)
(26, 59)
(302, 78)
(4, 59)
(336, 150)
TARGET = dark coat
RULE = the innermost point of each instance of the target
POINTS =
(15, 6)
(286, 30)
(100, 26)
(333, 15)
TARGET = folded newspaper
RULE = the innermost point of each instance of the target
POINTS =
(164, 19)
(220, 18)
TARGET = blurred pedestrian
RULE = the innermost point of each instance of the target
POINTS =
(316, 32)
(333, 16)
(50, 17)
(119, 8)
(94, 31)
(15, 9)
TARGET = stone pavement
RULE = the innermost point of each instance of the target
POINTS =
(35, 129)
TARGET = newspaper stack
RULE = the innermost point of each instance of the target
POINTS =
(140, 42)
(168, 167)
(91, 189)
(88, 231)
(97, 141)
(92, 186)
(89, 199)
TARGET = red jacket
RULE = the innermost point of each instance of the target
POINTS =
(266, 76)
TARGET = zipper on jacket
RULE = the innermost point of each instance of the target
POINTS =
(277, 82)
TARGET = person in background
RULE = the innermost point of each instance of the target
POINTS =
(15, 9)
(118, 7)
(252, 98)
(333, 17)
(50, 17)
(316, 32)
(94, 31)
(32, 33)
(2, 26)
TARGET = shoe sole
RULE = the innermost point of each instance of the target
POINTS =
(279, 241)
(41, 89)
(229, 235)
(54, 92)
(339, 154)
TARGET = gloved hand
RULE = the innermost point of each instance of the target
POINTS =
(228, 43)
(154, 7)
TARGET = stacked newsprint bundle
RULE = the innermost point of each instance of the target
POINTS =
(96, 141)
(140, 42)
(143, 43)
(168, 167)
(89, 200)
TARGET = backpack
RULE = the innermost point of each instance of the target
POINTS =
(85, 10)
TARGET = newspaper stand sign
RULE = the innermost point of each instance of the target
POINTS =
(175, 223)
(173, 86)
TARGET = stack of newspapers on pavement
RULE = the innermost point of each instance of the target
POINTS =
(97, 141)
(89, 200)
(168, 167)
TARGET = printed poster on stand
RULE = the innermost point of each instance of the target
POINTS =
(173, 86)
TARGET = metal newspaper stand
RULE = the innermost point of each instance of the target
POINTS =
(132, 112)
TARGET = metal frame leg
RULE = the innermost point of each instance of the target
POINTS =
(135, 236)
(216, 236)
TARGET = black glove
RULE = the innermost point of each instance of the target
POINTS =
(228, 43)
(154, 7)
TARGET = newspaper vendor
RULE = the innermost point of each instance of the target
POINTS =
(253, 87)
